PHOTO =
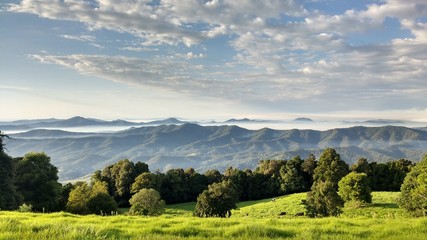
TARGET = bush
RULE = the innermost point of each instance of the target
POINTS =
(146, 202)
(25, 208)
(413, 196)
(355, 187)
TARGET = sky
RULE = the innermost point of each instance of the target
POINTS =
(213, 59)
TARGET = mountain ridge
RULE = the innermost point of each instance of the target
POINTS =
(208, 147)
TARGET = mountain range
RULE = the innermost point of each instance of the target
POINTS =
(212, 147)
(77, 122)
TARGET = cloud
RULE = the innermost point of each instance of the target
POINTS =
(282, 53)
(332, 87)
(81, 38)
(190, 55)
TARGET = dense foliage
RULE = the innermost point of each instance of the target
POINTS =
(146, 202)
(354, 187)
(8, 197)
(414, 190)
(91, 198)
(37, 181)
(120, 177)
(323, 199)
(217, 201)
(383, 176)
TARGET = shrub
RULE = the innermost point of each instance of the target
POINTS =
(25, 208)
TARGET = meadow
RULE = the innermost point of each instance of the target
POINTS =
(264, 219)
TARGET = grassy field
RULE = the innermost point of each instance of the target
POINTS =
(263, 219)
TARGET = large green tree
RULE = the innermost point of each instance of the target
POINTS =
(37, 181)
(323, 199)
(413, 196)
(218, 200)
(8, 197)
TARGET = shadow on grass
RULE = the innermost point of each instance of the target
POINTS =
(189, 206)
(385, 205)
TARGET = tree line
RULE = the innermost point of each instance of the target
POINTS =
(32, 180)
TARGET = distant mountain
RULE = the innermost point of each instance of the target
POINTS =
(384, 121)
(303, 119)
(62, 123)
(213, 147)
(43, 134)
(245, 120)
(165, 121)
(78, 122)
(14, 127)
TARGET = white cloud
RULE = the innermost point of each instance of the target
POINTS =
(283, 53)
(82, 38)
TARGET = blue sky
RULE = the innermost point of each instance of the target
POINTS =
(217, 59)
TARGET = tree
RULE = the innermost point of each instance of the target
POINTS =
(330, 167)
(94, 198)
(218, 200)
(240, 179)
(213, 176)
(146, 202)
(308, 167)
(102, 204)
(77, 200)
(65, 194)
(292, 176)
(270, 167)
(37, 181)
(398, 170)
(120, 177)
(9, 199)
(323, 199)
(147, 180)
(413, 195)
(354, 187)
(361, 166)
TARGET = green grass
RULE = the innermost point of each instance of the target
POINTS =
(253, 220)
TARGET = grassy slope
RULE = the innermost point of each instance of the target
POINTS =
(254, 220)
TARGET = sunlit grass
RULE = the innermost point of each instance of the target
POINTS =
(253, 220)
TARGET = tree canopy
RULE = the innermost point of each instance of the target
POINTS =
(217, 201)
(354, 187)
(414, 190)
(37, 181)
(8, 197)
(146, 202)
(323, 199)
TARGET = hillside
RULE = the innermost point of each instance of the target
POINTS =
(213, 147)
(253, 220)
